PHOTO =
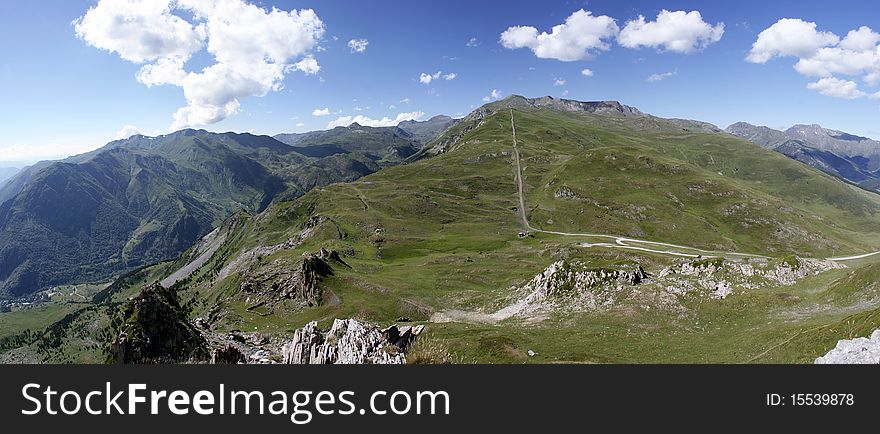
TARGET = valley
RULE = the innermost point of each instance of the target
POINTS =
(535, 231)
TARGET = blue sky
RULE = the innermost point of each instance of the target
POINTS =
(63, 95)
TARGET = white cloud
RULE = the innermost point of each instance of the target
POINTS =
(559, 82)
(426, 78)
(790, 37)
(586, 72)
(837, 88)
(345, 121)
(495, 95)
(679, 31)
(578, 38)
(661, 76)
(300, 125)
(253, 48)
(404, 101)
(392, 107)
(308, 65)
(139, 31)
(358, 45)
(823, 55)
(472, 42)
(127, 131)
(321, 112)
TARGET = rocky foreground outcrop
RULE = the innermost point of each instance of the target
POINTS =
(349, 342)
(854, 351)
(155, 329)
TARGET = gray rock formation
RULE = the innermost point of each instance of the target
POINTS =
(349, 342)
(272, 284)
(854, 351)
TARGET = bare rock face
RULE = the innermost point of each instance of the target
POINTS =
(349, 342)
(561, 278)
(301, 283)
(228, 355)
(854, 351)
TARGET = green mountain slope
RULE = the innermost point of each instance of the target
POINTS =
(440, 241)
(143, 199)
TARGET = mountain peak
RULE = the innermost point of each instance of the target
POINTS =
(570, 105)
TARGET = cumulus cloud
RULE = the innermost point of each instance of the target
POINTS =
(345, 121)
(127, 131)
(579, 38)
(837, 88)
(253, 48)
(587, 72)
(790, 37)
(661, 76)
(426, 78)
(495, 95)
(308, 65)
(472, 42)
(358, 45)
(321, 112)
(559, 82)
(679, 31)
(823, 55)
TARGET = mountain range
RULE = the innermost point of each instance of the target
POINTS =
(852, 158)
(145, 199)
(531, 230)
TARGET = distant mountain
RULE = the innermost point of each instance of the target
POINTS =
(426, 131)
(7, 172)
(383, 145)
(145, 199)
(853, 158)
(340, 139)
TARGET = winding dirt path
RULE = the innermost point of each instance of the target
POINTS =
(620, 242)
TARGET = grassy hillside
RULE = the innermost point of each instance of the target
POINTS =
(145, 199)
(441, 236)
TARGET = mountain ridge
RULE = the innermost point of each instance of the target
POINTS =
(850, 157)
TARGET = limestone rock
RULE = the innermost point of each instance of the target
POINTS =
(349, 342)
(854, 351)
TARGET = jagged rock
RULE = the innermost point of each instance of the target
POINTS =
(561, 278)
(854, 351)
(300, 284)
(565, 192)
(331, 255)
(349, 342)
(155, 330)
(228, 355)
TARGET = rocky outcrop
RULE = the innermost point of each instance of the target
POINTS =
(854, 351)
(248, 259)
(720, 277)
(562, 278)
(228, 355)
(302, 283)
(155, 330)
(349, 342)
